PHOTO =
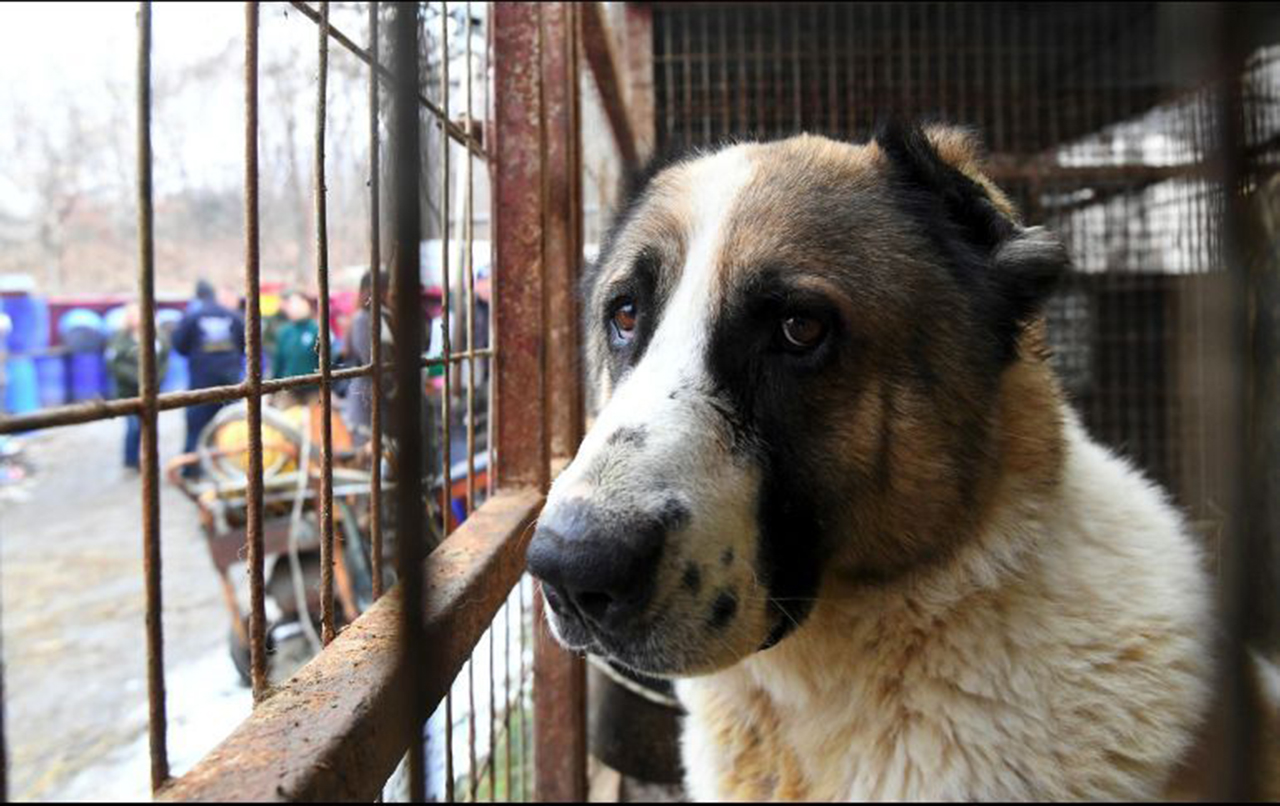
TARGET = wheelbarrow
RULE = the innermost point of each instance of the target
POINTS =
(290, 524)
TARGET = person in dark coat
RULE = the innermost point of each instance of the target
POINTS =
(123, 359)
(211, 336)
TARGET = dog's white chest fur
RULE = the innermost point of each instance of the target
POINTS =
(1062, 655)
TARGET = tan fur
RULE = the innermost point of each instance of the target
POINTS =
(1012, 613)
(1036, 652)
(1024, 667)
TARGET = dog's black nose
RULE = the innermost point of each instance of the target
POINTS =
(596, 567)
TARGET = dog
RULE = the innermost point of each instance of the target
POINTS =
(835, 492)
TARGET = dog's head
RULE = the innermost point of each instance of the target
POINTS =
(799, 346)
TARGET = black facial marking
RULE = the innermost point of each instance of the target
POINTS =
(723, 610)
(760, 392)
(692, 579)
(629, 435)
(962, 221)
(727, 557)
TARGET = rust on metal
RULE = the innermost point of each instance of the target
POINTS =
(92, 410)
(600, 53)
(354, 723)
(149, 385)
(519, 302)
(326, 365)
(407, 405)
(446, 410)
(375, 312)
(257, 638)
(559, 688)
(638, 47)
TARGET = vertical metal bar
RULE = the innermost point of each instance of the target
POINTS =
(1247, 507)
(506, 676)
(157, 725)
(328, 632)
(469, 220)
(446, 352)
(639, 77)
(559, 718)
(473, 781)
(524, 710)
(518, 273)
(407, 403)
(253, 343)
(375, 308)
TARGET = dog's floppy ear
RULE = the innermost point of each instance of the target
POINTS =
(1008, 269)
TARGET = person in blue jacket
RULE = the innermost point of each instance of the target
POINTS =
(211, 337)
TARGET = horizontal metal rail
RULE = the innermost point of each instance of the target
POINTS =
(334, 730)
(91, 410)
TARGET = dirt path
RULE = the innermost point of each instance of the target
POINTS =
(72, 597)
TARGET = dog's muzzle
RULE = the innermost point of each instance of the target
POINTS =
(598, 570)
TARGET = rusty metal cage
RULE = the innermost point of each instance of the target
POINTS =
(340, 726)
(1101, 121)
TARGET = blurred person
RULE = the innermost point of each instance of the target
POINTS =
(358, 408)
(123, 360)
(297, 348)
(211, 337)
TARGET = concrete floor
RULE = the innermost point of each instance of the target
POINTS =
(71, 590)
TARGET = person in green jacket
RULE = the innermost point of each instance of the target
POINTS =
(297, 347)
(122, 359)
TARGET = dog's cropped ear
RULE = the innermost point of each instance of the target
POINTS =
(1009, 270)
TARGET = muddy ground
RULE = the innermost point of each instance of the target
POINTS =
(74, 652)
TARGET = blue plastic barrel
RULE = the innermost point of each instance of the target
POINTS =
(83, 333)
(29, 317)
(51, 378)
(22, 392)
(88, 376)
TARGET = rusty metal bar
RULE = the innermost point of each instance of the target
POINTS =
(506, 678)
(560, 695)
(445, 352)
(253, 342)
(598, 48)
(518, 274)
(469, 240)
(326, 365)
(149, 384)
(375, 312)
(520, 701)
(407, 405)
(455, 131)
(92, 410)
(639, 57)
(357, 726)
(1237, 751)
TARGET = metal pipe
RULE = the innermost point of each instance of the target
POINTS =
(253, 343)
(375, 311)
(408, 400)
(327, 629)
(149, 384)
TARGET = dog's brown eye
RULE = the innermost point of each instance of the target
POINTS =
(624, 321)
(802, 332)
